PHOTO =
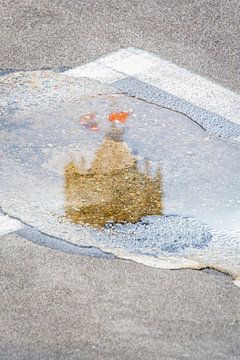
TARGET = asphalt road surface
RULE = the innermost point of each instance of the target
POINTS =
(60, 306)
(200, 35)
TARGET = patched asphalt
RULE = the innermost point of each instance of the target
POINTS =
(70, 165)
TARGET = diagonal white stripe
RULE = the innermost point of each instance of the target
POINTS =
(166, 76)
(96, 71)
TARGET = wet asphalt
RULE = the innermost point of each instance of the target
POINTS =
(61, 306)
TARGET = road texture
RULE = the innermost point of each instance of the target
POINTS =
(200, 35)
(60, 306)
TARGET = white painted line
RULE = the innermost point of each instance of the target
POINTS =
(96, 71)
(8, 225)
(166, 76)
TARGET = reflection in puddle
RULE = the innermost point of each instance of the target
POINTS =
(114, 188)
(199, 175)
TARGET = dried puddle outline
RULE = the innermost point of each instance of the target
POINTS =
(119, 161)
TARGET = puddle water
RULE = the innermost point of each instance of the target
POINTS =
(113, 188)
(131, 178)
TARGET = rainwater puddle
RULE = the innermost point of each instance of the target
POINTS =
(131, 178)
(113, 188)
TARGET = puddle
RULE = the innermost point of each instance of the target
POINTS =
(114, 172)
(113, 188)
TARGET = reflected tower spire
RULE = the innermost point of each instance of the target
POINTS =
(113, 188)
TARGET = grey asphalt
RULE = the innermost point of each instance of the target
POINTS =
(60, 306)
(200, 35)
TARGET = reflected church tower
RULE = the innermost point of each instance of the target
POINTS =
(113, 189)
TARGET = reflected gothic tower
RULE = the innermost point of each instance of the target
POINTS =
(113, 188)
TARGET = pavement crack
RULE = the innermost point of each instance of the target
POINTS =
(168, 108)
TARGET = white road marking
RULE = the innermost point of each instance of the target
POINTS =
(166, 76)
(96, 71)
(8, 225)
